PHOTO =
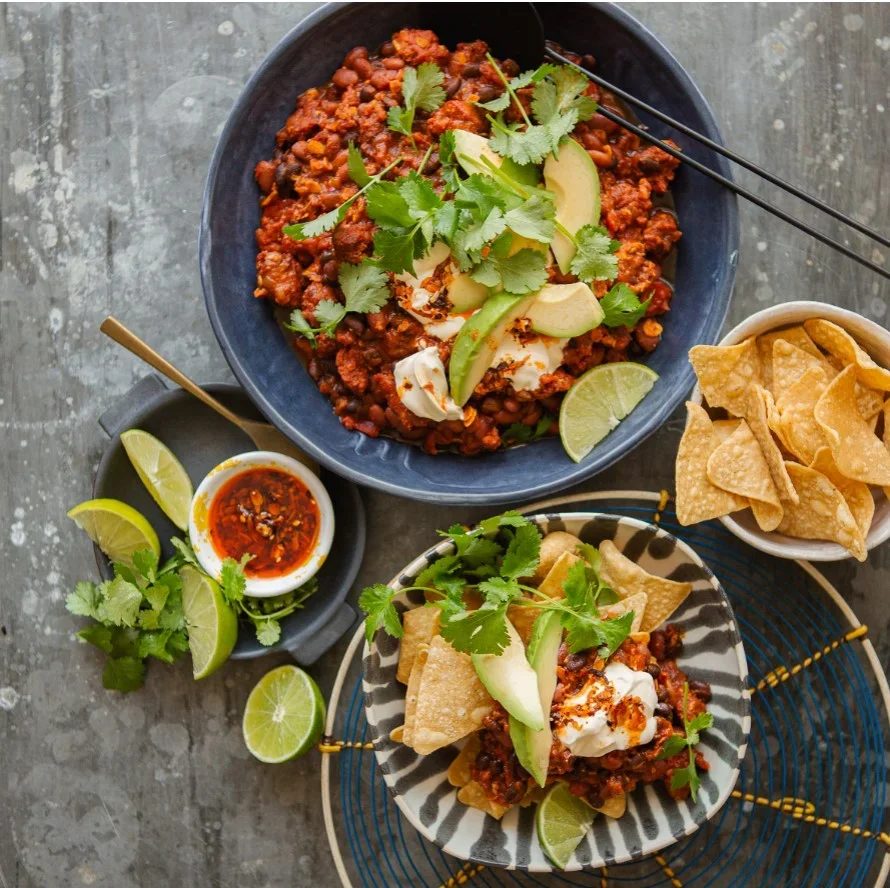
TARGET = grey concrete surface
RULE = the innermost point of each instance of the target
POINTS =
(109, 114)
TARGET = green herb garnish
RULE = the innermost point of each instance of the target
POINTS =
(519, 433)
(622, 307)
(676, 743)
(492, 559)
(421, 88)
(595, 258)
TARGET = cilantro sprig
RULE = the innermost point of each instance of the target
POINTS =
(595, 258)
(136, 615)
(492, 559)
(676, 743)
(622, 307)
(421, 88)
(365, 288)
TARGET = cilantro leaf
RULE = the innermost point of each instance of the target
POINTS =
(533, 219)
(622, 307)
(376, 602)
(560, 96)
(443, 574)
(365, 286)
(185, 554)
(123, 673)
(701, 722)
(387, 206)
(85, 600)
(421, 88)
(688, 775)
(595, 258)
(674, 744)
(154, 644)
(232, 580)
(98, 635)
(146, 563)
(268, 632)
(499, 590)
(482, 631)
(523, 553)
(358, 172)
(475, 238)
(523, 272)
(396, 249)
(529, 145)
(122, 601)
(520, 433)
(587, 630)
(527, 78)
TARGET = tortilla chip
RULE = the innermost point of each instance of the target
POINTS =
(523, 619)
(758, 400)
(822, 513)
(725, 427)
(858, 453)
(420, 659)
(614, 807)
(789, 365)
(697, 499)
(397, 735)
(802, 435)
(459, 770)
(857, 494)
(774, 421)
(627, 579)
(838, 342)
(726, 372)
(418, 627)
(474, 796)
(868, 400)
(451, 700)
(533, 796)
(551, 585)
(552, 546)
(636, 602)
(795, 335)
(739, 466)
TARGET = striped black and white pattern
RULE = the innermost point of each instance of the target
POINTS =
(712, 652)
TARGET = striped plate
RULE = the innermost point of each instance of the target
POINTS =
(712, 652)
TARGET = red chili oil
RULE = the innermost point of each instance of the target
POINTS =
(268, 514)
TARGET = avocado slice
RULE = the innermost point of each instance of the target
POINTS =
(478, 340)
(533, 747)
(470, 148)
(575, 182)
(510, 679)
(565, 310)
(465, 294)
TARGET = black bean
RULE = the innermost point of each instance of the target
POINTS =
(387, 49)
(634, 761)
(353, 405)
(326, 256)
(471, 70)
(596, 801)
(496, 766)
(355, 323)
(702, 688)
(314, 370)
(432, 163)
(487, 93)
(588, 61)
(649, 165)
(509, 67)
(483, 761)
(654, 670)
(664, 710)
(574, 662)
(284, 182)
(452, 85)
(367, 94)
(330, 271)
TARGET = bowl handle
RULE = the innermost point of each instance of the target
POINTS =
(307, 650)
(119, 416)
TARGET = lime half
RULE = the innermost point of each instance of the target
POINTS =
(562, 820)
(284, 715)
(598, 401)
(161, 473)
(212, 625)
(116, 528)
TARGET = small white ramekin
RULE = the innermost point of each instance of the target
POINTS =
(876, 341)
(260, 587)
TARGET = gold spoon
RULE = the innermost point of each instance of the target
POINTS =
(263, 435)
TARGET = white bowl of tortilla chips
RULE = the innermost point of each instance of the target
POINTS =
(792, 453)
(425, 703)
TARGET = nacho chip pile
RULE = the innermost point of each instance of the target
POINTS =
(790, 432)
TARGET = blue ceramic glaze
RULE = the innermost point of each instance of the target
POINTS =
(267, 367)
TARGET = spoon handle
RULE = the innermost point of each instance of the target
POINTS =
(115, 330)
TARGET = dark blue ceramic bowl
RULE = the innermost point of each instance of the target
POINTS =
(264, 362)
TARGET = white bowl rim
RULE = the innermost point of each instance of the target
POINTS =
(263, 587)
(417, 564)
(774, 318)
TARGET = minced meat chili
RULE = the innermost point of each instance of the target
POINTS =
(505, 781)
(307, 176)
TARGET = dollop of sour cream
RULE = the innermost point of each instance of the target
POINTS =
(524, 363)
(422, 386)
(610, 713)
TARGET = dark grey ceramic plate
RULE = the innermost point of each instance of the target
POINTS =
(201, 439)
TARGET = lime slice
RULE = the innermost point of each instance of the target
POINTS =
(116, 528)
(598, 401)
(161, 473)
(562, 820)
(284, 715)
(212, 625)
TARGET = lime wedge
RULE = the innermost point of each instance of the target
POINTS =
(562, 820)
(598, 401)
(116, 528)
(284, 715)
(212, 625)
(161, 473)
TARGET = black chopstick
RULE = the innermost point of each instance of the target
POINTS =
(728, 183)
